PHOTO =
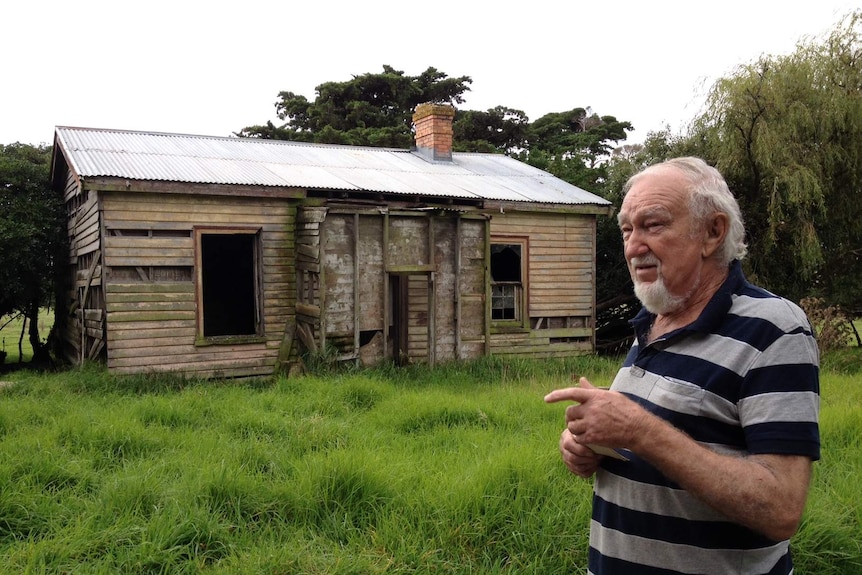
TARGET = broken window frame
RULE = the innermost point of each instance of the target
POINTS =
(205, 336)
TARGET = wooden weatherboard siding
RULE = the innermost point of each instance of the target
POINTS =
(560, 299)
(151, 296)
(372, 260)
(83, 327)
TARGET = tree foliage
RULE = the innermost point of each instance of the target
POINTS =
(499, 129)
(369, 110)
(376, 109)
(575, 145)
(32, 232)
(786, 131)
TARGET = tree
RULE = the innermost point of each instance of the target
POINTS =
(574, 145)
(369, 110)
(499, 129)
(377, 110)
(786, 131)
(32, 234)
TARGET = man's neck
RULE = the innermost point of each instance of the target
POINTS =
(694, 305)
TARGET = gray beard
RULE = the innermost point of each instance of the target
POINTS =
(656, 298)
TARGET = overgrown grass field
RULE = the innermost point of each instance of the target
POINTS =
(406, 471)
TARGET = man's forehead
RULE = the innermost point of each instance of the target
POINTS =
(652, 199)
(655, 191)
(644, 209)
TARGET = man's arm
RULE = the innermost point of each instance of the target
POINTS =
(766, 493)
(763, 492)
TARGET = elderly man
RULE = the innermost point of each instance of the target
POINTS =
(715, 409)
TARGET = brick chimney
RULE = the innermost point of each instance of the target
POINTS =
(433, 125)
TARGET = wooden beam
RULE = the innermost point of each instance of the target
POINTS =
(306, 337)
(356, 306)
(457, 290)
(308, 309)
(110, 184)
(417, 269)
(432, 296)
(286, 345)
(311, 252)
(321, 290)
(385, 257)
(487, 302)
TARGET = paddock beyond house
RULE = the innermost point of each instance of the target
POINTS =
(230, 257)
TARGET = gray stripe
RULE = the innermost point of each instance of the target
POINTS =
(679, 396)
(800, 406)
(654, 499)
(784, 314)
(684, 558)
(790, 349)
(731, 354)
(676, 394)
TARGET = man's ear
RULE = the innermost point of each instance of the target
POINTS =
(715, 232)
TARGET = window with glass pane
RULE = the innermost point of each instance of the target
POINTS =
(506, 281)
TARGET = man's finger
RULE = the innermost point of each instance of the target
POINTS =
(577, 394)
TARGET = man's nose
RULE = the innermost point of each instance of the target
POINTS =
(634, 246)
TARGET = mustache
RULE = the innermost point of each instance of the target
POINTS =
(647, 260)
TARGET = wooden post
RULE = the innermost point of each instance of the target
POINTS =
(356, 310)
(432, 296)
(457, 290)
(385, 284)
(321, 288)
(487, 296)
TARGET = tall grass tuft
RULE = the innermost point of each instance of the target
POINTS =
(386, 471)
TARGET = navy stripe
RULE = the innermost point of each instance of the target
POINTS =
(702, 534)
(757, 332)
(601, 564)
(782, 377)
(703, 429)
(785, 438)
(636, 469)
(724, 382)
(710, 376)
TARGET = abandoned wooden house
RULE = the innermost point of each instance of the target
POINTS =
(231, 257)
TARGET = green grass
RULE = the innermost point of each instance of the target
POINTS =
(396, 471)
(10, 334)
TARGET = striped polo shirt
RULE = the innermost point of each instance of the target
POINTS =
(741, 379)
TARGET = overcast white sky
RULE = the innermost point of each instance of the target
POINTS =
(212, 68)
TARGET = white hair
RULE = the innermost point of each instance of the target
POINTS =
(708, 194)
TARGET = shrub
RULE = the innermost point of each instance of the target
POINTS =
(831, 325)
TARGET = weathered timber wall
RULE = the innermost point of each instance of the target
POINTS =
(560, 283)
(150, 291)
(442, 262)
(83, 326)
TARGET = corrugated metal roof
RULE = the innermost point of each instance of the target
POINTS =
(247, 161)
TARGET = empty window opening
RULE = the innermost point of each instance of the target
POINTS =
(228, 284)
